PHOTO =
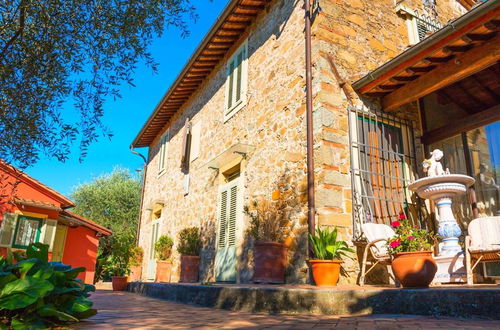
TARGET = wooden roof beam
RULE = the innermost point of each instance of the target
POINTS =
(448, 73)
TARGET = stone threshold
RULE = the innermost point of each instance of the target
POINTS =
(454, 301)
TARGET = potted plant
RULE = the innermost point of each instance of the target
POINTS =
(269, 223)
(117, 264)
(189, 249)
(411, 250)
(328, 253)
(135, 263)
(163, 252)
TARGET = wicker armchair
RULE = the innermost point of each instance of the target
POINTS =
(377, 236)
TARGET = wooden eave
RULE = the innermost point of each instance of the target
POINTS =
(472, 38)
(226, 31)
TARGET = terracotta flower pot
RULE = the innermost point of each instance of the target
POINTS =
(190, 266)
(163, 271)
(325, 272)
(119, 283)
(414, 269)
(269, 262)
(135, 273)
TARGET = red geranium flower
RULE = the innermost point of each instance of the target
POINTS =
(411, 237)
(395, 243)
(402, 216)
(395, 223)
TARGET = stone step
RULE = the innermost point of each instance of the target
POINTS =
(481, 302)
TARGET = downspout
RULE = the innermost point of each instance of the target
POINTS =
(142, 192)
(311, 212)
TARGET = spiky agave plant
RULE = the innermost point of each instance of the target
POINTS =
(326, 246)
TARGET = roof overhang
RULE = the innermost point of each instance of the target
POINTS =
(19, 175)
(461, 48)
(226, 31)
(78, 220)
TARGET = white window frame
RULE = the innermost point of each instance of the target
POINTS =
(163, 153)
(231, 110)
(411, 18)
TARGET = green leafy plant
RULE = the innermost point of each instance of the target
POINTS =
(326, 246)
(409, 238)
(189, 242)
(117, 262)
(163, 248)
(136, 256)
(37, 294)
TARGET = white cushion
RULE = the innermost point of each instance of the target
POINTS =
(375, 231)
(485, 234)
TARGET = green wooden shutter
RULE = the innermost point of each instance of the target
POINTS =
(49, 232)
(7, 229)
(233, 207)
(223, 220)
(239, 68)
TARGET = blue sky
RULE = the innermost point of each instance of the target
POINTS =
(126, 116)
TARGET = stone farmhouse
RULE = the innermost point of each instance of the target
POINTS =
(331, 112)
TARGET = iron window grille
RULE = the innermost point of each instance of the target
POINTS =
(383, 163)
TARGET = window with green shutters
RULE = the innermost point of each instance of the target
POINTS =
(19, 231)
(236, 83)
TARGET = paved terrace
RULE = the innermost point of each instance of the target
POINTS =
(124, 310)
(452, 301)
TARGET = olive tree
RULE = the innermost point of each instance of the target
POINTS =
(59, 58)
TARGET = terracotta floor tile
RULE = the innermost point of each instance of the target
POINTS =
(122, 310)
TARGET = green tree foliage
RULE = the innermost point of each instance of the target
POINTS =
(71, 51)
(112, 200)
(37, 294)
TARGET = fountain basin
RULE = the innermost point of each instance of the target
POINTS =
(442, 186)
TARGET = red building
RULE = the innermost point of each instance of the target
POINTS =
(33, 212)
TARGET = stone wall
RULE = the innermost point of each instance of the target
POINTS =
(272, 122)
(359, 36)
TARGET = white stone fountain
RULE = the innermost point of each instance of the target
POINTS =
(440, 186)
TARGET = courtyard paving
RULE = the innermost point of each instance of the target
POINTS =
(124, 310)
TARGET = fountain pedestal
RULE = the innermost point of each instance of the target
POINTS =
(441, 189)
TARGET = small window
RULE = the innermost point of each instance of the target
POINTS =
(419, 26)
(236, 82)
(195, 141)
(28, 230)
(163, 153)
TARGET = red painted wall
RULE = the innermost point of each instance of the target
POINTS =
(80, 250)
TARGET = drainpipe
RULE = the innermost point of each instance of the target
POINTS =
(145, 167)
(311, 212)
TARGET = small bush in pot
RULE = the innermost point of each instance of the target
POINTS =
(189, 247)
(269, 227)
(163, 253)
(411, 250)
(135, 263)
(117, 263)
(328, 253)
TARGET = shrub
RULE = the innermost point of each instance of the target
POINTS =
(163, 248)
(326, 246)
(189, 242)
(35, 293)
(269, 220)
(117, 262)
(136, 256)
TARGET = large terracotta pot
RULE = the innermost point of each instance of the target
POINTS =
(269, 262)
(190, 266)
(119, 283)
(163, 271)
(325, 272)
(414, 269)
(135, 273)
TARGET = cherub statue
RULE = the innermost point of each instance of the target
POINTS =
(433, 165)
